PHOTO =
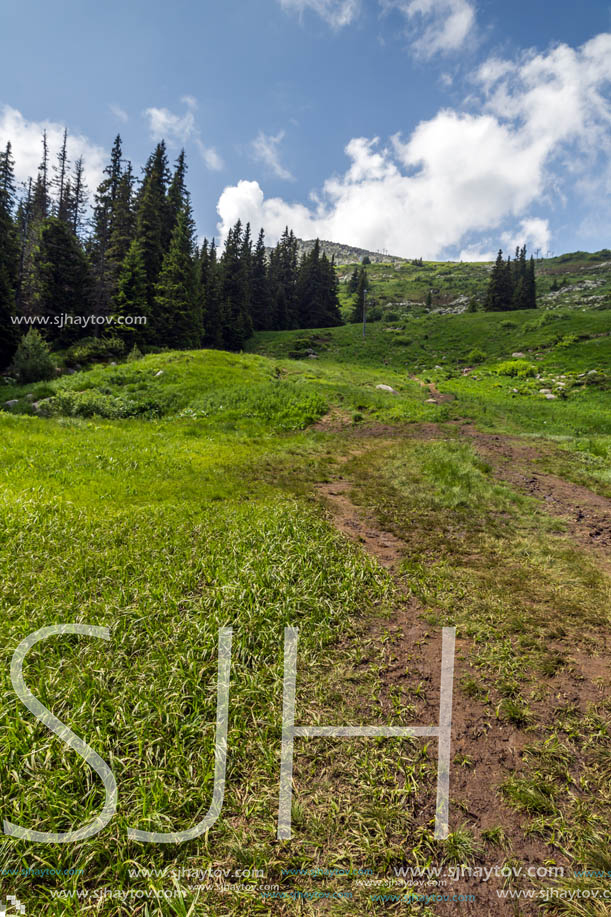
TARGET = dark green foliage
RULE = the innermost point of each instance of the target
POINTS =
(61, 285)
(353, 283)
(260, 300)
(9, 258)
(512, 284)
(33, 361)
(360, 297)
(177, 316)
(131, 298)
(152, 218)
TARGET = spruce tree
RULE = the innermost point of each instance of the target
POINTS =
(211, 296)
(131, 297)
(9, 258)
(360, 297)
(353, 283)
(177, 317)
(260, 301)
(61, 279)
(236, 321)
(152, 218)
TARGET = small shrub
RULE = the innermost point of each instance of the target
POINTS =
(508, 324)
(391, 317)
(33, 361)
(134, 354)
(90, 350)
(476, 356)
(520, 368)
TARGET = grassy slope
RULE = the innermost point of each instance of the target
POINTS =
(187, 507)
(584, 280)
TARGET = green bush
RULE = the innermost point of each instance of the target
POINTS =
(521, 368)
(33, 361)
(476, 356)
(88, 350)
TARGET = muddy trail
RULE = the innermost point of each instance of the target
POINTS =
(587, 514)
(492, 746)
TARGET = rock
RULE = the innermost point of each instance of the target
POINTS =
(439, 367)
(515, 391)
(430, 401)
(550, 397)
(11, 404)
(70, 372)
(160, 373)
(545, 391)
(29, 397)
(387, 388)
(592, 372)
(112, 364)
(518, 355)
(312, 356)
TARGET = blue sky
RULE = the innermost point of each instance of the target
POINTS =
(435, 128)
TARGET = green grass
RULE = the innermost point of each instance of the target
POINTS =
(168, 506)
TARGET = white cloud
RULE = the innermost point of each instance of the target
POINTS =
(534, 232)
(165, 125)
(337, 13)
(119, 113)
(459, 173)
(211, 158)
(177, 130)
(265, 150)
(26, 139)
(438, 26)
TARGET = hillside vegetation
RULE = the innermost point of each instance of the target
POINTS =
(169, 496)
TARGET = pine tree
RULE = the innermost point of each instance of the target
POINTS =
(35, 212)
(531, 285)
(61, 279)
(123, 226)
(236, 321)
(211, 296)
(9, 258)
(152, 217)
(77, 198)
(131, 298)
(260, 293)
(499, 295)
(333, 315)
(360, 297)
(353, 283)
(105, 272)
(61, 181)
(177, 194)
(178, 319)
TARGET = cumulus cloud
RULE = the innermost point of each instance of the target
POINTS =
(337, 13)
(265, 150)
(178, 129)
(25, 137)
(436, 26)
(459, 173)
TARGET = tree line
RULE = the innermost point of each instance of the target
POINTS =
(137, 255)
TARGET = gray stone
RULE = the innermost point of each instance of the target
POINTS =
(160, 373)
(518, 355)
(387, 388)
(11, 404)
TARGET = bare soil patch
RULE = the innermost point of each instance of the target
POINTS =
(587, 514)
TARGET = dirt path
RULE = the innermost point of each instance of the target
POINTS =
(587, 514)
(490, 748)
(413, 656)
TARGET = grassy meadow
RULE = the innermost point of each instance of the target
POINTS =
(171, 496)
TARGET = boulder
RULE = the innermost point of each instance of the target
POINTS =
(550, 397)
(387, 388)
(11, 404)
(518, 355)
(160, 373)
